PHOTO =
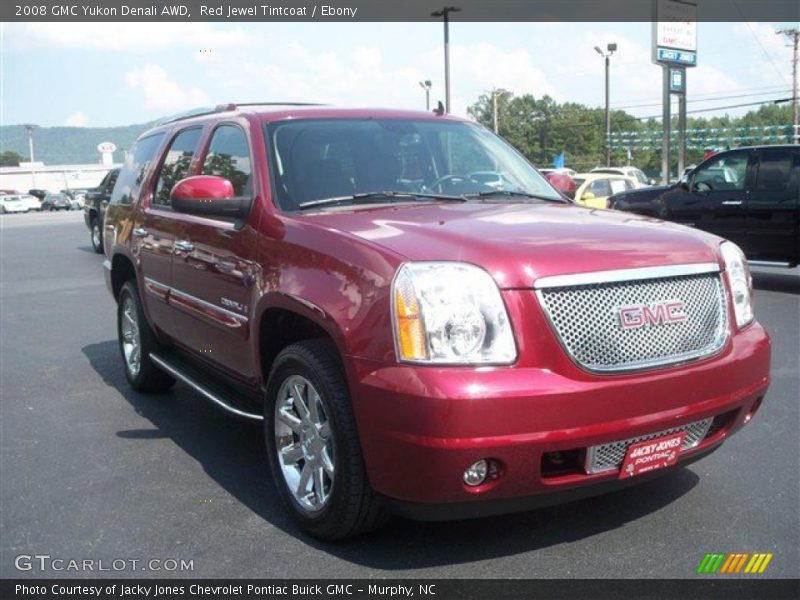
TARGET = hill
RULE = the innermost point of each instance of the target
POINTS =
(69, 145)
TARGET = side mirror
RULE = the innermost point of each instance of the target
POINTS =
(587, 196)
(684, 183)
(651, 181)
(208, 196)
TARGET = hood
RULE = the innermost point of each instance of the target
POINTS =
(518, 243)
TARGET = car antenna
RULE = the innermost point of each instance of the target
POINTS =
(439, 110)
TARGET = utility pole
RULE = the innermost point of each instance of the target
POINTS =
(494, 109)
(445, 14)
(30, 127)
(607, 56)
(794, 35)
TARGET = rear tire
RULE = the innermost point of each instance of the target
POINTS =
(136, 342)
(96, 236)
(334, 499)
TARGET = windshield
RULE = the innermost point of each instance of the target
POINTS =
(336, 158)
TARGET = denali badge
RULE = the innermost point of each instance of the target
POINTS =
(635, 316)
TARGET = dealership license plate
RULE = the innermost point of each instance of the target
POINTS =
(650, 455)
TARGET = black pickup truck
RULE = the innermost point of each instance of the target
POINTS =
(750, 196)
(94, 208)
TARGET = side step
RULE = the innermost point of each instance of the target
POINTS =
(769, 263)
(211, 390)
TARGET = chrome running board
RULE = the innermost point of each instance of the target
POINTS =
(173, 370)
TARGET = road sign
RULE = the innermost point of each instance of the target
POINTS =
(677, 80)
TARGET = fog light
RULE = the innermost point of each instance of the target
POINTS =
(476, 473)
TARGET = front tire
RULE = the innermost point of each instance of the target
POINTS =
(96, 236)
(136, 342)
(313, 445)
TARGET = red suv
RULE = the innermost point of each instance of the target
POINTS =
(414, 339)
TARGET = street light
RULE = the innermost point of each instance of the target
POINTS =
(30, 127)
(611, 48)
(445, 13)
(426, 85)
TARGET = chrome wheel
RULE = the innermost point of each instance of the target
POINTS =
(131, 339)
(304, 443)
(96, 235)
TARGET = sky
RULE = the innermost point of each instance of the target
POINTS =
(108, 74)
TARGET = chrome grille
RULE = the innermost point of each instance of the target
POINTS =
(586, 319)
(608, 457)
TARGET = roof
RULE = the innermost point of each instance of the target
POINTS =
(270, 111)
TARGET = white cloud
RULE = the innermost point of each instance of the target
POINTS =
(135, 37)
(160, 93)
(77, 119)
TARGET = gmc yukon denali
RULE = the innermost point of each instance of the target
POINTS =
(416, 341)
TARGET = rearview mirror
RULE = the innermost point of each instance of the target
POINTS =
(208, 196)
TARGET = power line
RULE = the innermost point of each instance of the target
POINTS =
(758, 41)
(710, 99)
(714, 108)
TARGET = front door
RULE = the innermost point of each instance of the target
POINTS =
(716, 198)
(214, 268)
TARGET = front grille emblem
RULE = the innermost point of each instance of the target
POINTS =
(636, 316)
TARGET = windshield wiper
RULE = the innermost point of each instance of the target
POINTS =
(380, 197)
(513, 194)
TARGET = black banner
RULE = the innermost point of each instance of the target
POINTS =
(383, 10)
(360, 589)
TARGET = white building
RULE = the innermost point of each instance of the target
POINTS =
(52, 177)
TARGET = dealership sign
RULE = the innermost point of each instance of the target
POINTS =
(675, 33)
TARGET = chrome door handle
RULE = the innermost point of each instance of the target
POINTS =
(183, 245)
(139, 232)
(732, 202)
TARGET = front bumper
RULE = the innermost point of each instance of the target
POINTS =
(421, 427)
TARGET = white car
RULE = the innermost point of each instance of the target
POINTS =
(640, 179)
(31, 202)
(12, 204)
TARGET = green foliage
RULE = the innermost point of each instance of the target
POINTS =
(10, 158)
(542, 128)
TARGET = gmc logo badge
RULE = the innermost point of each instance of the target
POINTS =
(636, 316)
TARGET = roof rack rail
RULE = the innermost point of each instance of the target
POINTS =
(208, 110)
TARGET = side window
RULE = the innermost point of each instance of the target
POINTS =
(176, 164)
(619, 185)
(774, 170)
(229, 157)
(134, 170)
(111, 179)
(725, 173)
(600, 188)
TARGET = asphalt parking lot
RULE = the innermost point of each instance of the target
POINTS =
(91, 470)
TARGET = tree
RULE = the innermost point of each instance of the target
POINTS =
(10, 159)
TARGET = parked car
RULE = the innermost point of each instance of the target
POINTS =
(94, 208)
(749, 195)
(12, 204)
(53, 202)
(640, 180)
(563, 183)
(442, 351)
(40, 194)
(26, 200)
(594, 189)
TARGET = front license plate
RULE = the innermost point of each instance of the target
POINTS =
(651, 455)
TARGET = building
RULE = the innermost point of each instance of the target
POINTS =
(52, 177)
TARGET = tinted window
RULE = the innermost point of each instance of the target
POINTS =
(176, 164)
(774, 170)
(134, 170)
(724, 173)
(110, 180)
(317, 159)
(228, 156)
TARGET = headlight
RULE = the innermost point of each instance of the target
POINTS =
(451, 313)
(740, 281)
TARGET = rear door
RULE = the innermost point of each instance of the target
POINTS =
(214, 268)
(772, 206)
(716, 198)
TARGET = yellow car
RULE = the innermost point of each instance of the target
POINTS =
(593, 189)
